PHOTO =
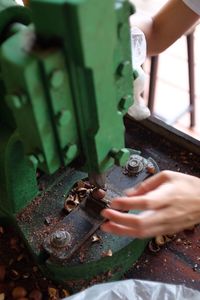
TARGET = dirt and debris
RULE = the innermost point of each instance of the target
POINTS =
(20, 278)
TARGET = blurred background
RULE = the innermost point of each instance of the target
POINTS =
(171, 88)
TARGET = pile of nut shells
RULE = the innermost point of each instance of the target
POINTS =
(79, 193)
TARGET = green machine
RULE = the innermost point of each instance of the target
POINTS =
(65, 85)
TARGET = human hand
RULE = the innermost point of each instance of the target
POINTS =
(170, 202)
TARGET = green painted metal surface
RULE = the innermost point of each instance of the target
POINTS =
(69, 88)
(65, 85)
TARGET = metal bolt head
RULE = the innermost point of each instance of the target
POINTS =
(60, 238)
(57, 78)
(125, 69)
(16, 101)
(70, 153)
(125, 103)
(98, 194)
(63, 117)
(135, 164)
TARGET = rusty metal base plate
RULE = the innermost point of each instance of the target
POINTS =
(82, 258)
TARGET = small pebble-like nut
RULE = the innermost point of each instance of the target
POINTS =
(52, 292)
(35, 295)
(160, 240)
(2, 272)
(2, 296)
(20, 257)
(107, 253)
(98, 194)
(13, 274)
(19, 292)
(151, 169)
(65, 293)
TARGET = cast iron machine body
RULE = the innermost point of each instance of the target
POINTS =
(66, 83)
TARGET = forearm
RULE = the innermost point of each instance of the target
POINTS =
(163, 29)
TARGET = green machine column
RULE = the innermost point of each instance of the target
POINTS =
(95, 69)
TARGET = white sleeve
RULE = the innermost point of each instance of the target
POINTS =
(194, 5)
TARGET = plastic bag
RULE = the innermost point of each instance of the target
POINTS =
(136, 290)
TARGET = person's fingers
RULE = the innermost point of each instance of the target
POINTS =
(161, 229)
(153, 200)
(119, 230)
(121, 218)
(146, 224)
(144, 221)
(149, 184)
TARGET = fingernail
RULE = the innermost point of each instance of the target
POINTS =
(102, 213)
(129, 191)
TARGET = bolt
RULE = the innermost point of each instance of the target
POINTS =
(135, 164)
(16, 101)
(125, 103)
(124, 69)
(60, 238)
(70, 153)
(57, 78)
(63, 117)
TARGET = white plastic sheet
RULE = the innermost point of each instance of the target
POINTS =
(136, 290)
